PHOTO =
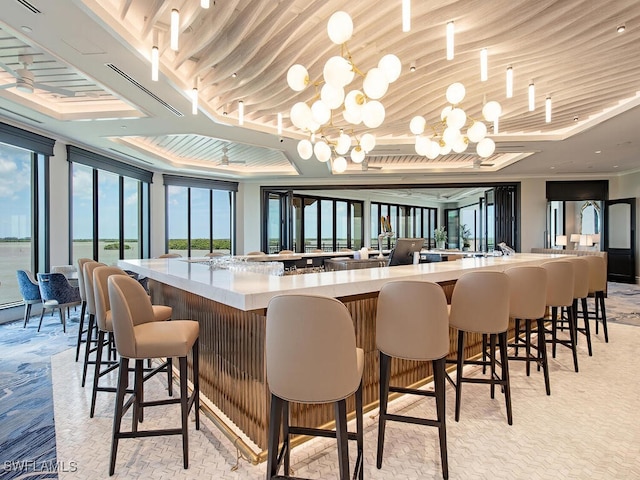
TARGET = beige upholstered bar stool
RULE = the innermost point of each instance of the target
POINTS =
(412, 323)
(528, 302)
(105, 332)
(597, 289)
(560, 295)
(82, 333)
(480, 304)
(90, 348)
(312, 357)
(580, 294)
(139, 336)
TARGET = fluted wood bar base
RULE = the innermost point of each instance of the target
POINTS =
(231, 309)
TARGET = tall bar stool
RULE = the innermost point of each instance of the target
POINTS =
(580, 294)
(83, 334)
(480, 304)
(87, 270)
(597, 288)
(312, 357)
(412, 323)
(528, 302)
(560, 281)
(139, 336)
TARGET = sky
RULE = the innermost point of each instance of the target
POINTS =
(15, 192)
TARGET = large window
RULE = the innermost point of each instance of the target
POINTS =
(109, 208)
(317, 223)
(24, 159)
(406, 221)
(200, 216)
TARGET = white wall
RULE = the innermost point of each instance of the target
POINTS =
(248, 218)
(59, 205)
(533, 213)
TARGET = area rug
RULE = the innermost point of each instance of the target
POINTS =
(27, 428)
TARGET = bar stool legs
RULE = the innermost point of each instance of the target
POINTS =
(540, 357)
(279, 419)
(502, 380)
(438, 394)
(136, 400)
(585, 330)
(81, 329)
(599, 300)
(571, 342)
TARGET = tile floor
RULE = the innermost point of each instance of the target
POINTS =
(587, 429)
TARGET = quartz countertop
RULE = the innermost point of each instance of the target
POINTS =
(250, 291)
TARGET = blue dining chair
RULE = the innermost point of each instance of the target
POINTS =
(57, 294)
(30, 292)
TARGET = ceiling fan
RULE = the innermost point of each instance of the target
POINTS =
(25, 80)
(224, 161)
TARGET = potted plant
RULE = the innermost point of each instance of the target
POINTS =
(465, 235)
(440, 236)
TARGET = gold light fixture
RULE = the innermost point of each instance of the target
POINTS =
(359, 106)
(447, 136)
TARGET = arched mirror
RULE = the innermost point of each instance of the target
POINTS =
(590, 218)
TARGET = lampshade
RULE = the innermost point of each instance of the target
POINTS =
(368, 142)
(575, 237)
(417, 125)
(297, 77)
(586, 240)
(340, 27)
(561, 240)
(339, 165)
(596, 238)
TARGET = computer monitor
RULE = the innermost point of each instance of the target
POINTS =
(402, 254)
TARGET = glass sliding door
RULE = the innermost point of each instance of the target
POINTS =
(222, 221)
(200, 222)
(108, 218)
(177, 224)
(132, 221)
(82, 207)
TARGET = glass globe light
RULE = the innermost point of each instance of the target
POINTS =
(332, 96)
(339, 165)
(375, 84)
(485, 147)
(322, 151)
(477, 131)
(391, 66)
(368, 142)
(357, 154)
(344, 144)
(460, 145)
(301, 115)
(491, 111)
(297, 77)
(338, 72)
(320, 113)
(445, 149)
(455, 93)
(354, 101)
(417, 124)
(450, 135)
(373, 114)
(305, 149)
(456, 118)
(445, 112)
(422, 145)
(433, 150)
(340, 27)
(353, 116)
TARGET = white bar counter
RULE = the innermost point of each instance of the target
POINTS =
(231, 310)
(251, 291)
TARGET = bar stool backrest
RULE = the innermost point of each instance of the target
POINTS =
(480, 302)
(130, 306)
(412, 321)
(580, 277)
(559, 283)
(310, 349)
(81, 262)
(101, 294)
(597, 273)
(528, 286)
(88, 269)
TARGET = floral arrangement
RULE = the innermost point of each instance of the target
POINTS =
(440, 234)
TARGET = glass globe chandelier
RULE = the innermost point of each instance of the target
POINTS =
(337, 110)
(447, 136)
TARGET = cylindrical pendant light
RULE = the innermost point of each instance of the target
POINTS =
(240, 112)
(175, 29)
(155, 60)
(509, 82)
(406, 15)
(547, 110)
(532, 97)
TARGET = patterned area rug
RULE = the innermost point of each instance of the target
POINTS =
(623, 304)
(27, 429)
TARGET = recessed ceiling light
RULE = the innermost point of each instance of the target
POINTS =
(234, 75)
(598, 151)
(575, 119)
(615, 166)
(553, 168)
(26, 28)
(620, 28)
